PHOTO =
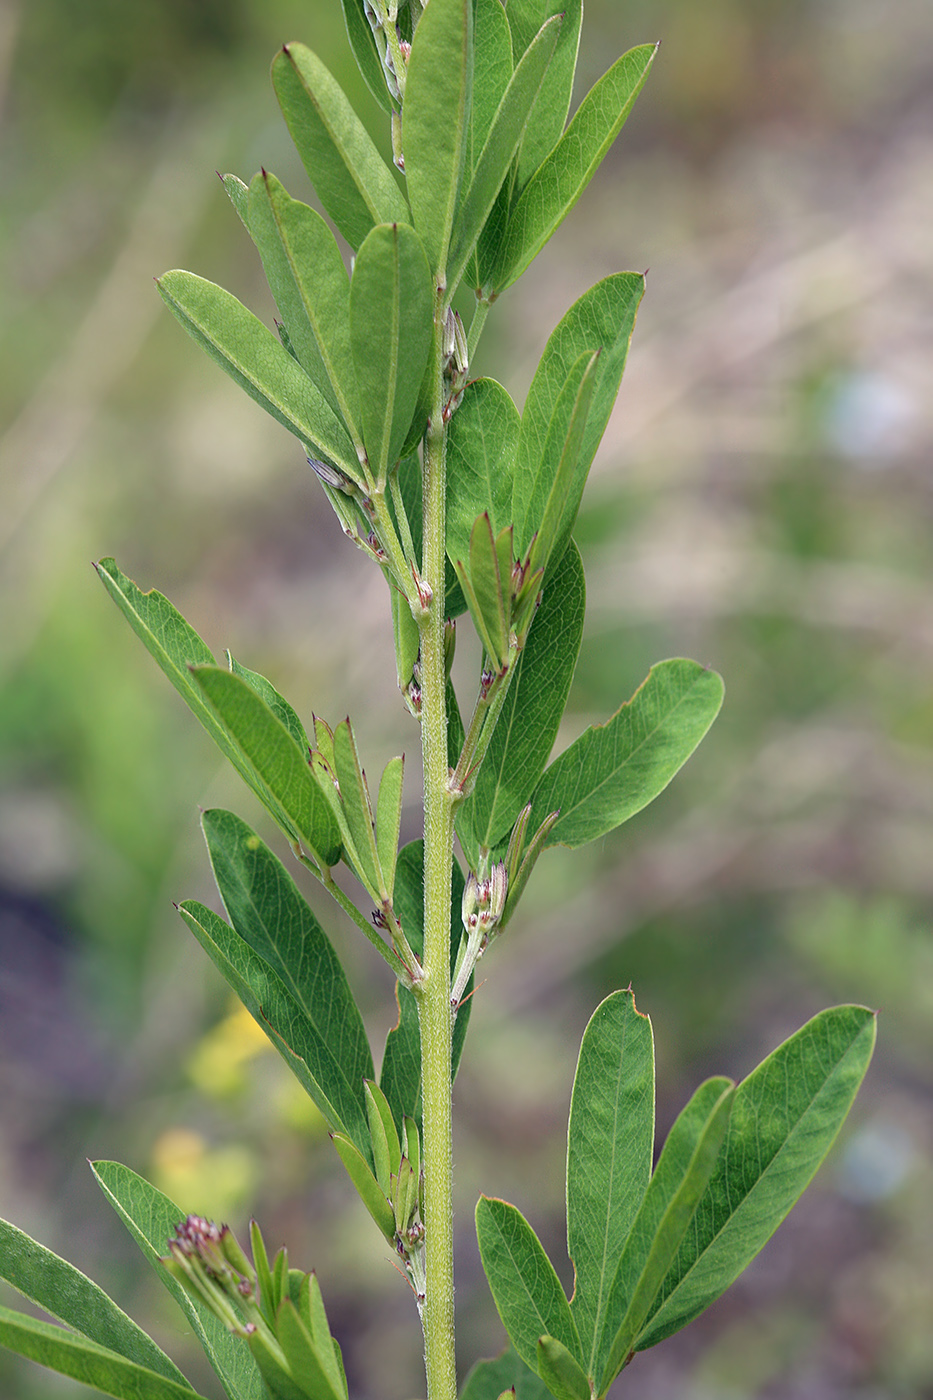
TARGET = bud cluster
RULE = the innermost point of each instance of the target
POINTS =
(481, 909)
(456, 362)
(207, 1260)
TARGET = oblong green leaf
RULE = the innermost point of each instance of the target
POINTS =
(270, 914)
(316, 1317)
(391, 323)
(284, 1021)
(531, 714)
(179, 652)
(389, 816)
(282, 778)
(382, 1125)
(368, 1188)
(302, 1355)
(494, 161)
(238, 194)
(74, 1299)
(488, 590)
(602, 319)
(559, 482)
(351, 179)
(558, 183)
(309, 281)
(615, 769)
(785, 1117)
(488, 1380)
(276, 702)
(492, 69)
(681, 1177)
(550, 111)
(400, 1076)
(176, 647)
(481, 443)
(563, 1376)
(610, 1140)
(357, 807)
(256, 360)
(85, 1361)
(151, 1218)
(526, 1290)
(360, 34)
(435, 121)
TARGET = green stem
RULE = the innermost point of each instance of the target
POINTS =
(476, 326)
(394, 549)
(362, 923)
(434, 992)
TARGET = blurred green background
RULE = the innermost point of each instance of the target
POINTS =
(762, 501)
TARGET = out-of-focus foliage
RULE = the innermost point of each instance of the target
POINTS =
(761, 501)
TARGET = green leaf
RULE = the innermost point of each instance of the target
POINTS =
(256, 360)
(263, 1271)
(151, 1218)
(281, 777)
(278, 1381)
(615, 769)
(74, 1299)
(559, 182)
(352, 181)
(456, 734)
(481, 444)
(306, 274)
(492, 69)
(527, 1291)
(368, 1188)
(302, 1355)
(185, 658)
(238, 194)
(602, 319)
(276, 702)
(406, 634)
(382, 1124)
(487, 589)
(494, 162)
(488, 1380)
(284, 1021)
(609, 1147)
(391, 319)
(785, 1117)
(550, 111)
(364, 51)
(400, 1078)
(531, 714)
(562, 1375)
(177, 648)
(679, 1180)
(270, 914)
(552, 491)
(389, 818)
(85, 1361)
(327, 1348)
(435, 121)
(357, 807)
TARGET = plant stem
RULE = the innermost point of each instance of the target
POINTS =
(434, 992)
(481, 311)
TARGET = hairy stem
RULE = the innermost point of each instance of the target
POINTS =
(434, 992)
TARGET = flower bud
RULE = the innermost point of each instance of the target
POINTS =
(208, 1261)
(484, 900)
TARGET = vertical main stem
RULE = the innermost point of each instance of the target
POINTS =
(434, 992)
